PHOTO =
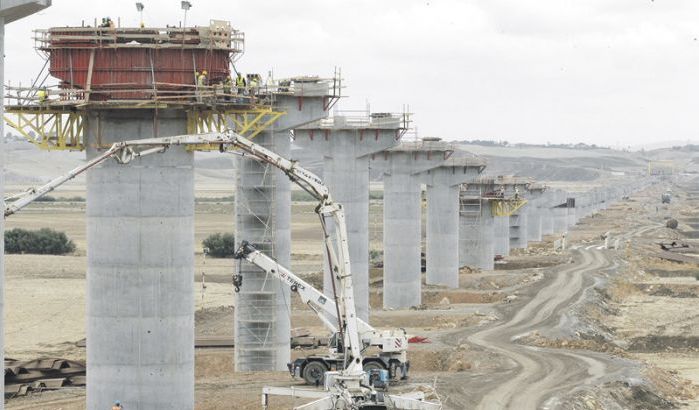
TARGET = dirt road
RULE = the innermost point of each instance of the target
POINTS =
(533, 377)
(540, 372)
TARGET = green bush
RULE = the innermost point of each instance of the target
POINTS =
(45, 198)
(45, 241)
(220, 245)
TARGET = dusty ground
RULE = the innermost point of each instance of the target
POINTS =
(587, 328)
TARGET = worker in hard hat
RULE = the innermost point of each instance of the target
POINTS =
(240, 83)
(254, 83)
(201, 83)
(228, 87)
(43, 95)
(117, 405)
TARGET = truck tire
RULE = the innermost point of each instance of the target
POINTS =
(372, 365)
(314, 373)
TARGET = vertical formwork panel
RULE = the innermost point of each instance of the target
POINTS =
(140, 301)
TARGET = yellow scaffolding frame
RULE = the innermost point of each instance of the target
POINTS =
(49, 130)
(247, 123)
(506, 206)
(661, 164)
(60, 130)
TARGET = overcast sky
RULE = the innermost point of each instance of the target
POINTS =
(610, 72)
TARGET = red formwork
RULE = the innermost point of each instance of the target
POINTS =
(137, 71)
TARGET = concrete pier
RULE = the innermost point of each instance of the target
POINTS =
(501, 229)
(546, 213)
(345, 144)
(560, 212)
(518, 228)
(263, 217)
(401, 166)
(535, 212)
(476, 233)
(442, 244)
(571, 211)
(140, 266)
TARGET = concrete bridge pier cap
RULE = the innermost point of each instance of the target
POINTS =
(346, 144)
(401, 166)
(442, 241)
(263, 217)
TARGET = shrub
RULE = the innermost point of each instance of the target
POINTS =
(45, 241)
(220, 245)
(45, 198)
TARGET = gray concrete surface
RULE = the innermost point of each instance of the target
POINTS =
(140, 296)
(546, 213)
(476, 232)
(442, 238)
(519, 228)
(534, 213)
(402, 217)
(345, 144)
(263, 217)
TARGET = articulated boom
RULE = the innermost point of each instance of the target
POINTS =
(345, 388)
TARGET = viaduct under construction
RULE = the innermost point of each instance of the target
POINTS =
(112, 84)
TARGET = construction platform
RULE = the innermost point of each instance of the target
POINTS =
(109, 68)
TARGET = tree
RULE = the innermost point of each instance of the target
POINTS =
(45, 241)
(220, 245)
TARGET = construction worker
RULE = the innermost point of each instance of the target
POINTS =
(228, 87)
(117, 406)
(201, 83)
(254, 83)
(43, 95)
(240, 83)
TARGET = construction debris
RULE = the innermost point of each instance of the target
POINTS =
(24, 377)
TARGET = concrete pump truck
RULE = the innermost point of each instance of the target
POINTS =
(345, 372)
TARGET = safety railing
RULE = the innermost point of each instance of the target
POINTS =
(218, 35)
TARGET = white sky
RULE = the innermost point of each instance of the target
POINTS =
(610, 72)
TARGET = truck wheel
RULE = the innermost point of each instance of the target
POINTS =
(314, 373)
(369, 366)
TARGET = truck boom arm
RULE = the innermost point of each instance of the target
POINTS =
(336, 245)
(310, 296)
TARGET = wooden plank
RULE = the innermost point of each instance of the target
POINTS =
(90, 67)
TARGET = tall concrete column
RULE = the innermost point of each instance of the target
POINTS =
(345, 144)
(560, 212)
(476, 234)
(546, 213)
(501, 229)
(442, 242)
(262, 327)
(518, 228)
(571, 221)
(402, 217)
(140, 267)
(534, 213)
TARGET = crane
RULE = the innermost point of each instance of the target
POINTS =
(392, 344)
(348, 387)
